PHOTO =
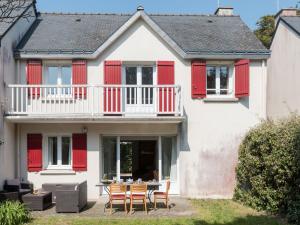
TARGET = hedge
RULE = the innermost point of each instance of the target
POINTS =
(268, 172)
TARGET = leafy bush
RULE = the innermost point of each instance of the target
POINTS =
(268, 172)
(13, 213)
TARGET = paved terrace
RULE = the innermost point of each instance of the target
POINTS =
(179, 207)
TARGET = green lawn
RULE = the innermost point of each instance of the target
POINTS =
(210, 212)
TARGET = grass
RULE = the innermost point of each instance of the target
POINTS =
(210, 212)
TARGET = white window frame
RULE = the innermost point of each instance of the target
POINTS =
(230, 89)
(59, 65)
(59, 165)
(139, 104)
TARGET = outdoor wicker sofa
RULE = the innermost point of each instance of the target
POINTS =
(69, 197)
(15, 185)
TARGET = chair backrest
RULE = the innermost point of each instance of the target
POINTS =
(168, 184)
(117, 188)
(138, 188)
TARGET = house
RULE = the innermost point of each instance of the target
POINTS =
(12, 30)
(150, 96)
(284, 65)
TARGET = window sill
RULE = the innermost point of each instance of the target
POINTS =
(221, 99)
(58, 172)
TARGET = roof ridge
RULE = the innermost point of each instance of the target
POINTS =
(128, 14)
(82, 13)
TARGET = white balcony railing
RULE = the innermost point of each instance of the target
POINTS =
(95, 100)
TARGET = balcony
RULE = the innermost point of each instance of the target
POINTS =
(94, 101)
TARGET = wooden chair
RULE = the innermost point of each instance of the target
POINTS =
(162, 195)
(117, 192)
(138, 192)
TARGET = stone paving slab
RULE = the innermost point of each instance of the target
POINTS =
(179, 207)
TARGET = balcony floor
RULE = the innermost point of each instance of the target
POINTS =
(92, 119)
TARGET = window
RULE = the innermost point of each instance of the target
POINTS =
(58, 75)
(139, 75)
(59, 152)
(109, 157)
(169, 159)
(219, 80)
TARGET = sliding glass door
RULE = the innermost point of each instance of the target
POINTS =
(140, 157)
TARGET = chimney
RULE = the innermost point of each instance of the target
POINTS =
(286, 12)
(140, 8)
(224, 11)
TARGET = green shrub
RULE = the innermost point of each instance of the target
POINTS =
(13, 213)
(268, 172)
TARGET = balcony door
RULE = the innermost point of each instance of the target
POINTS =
(139, 96)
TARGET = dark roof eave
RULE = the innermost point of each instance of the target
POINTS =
(189, 55)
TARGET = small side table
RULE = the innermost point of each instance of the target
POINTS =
(9, 196)
(38, 202)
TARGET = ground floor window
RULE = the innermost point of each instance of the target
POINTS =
(148, 158)
(59, 152)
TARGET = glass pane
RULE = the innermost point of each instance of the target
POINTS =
(109, 157)
(131, 79)
(224, 79)
(66, 150)
(66, 76)
(147, 79)
(126, 149)
(169, 159)
(52, 150)
(211, 80)
(52, 78)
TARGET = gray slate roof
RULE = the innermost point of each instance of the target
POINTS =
(62, 33)
(293, 22)
(6, 23)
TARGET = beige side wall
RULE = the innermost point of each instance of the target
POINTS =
(212, 132)
(284, 73)
(8, 76)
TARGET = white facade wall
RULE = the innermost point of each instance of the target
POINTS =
(209, 138)
(8, 71)
(283, 73)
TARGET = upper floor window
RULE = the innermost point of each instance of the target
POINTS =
(58, 75)
(219, 80)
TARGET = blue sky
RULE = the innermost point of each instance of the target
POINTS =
(250, 10)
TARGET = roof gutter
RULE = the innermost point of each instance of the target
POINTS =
(208, 55)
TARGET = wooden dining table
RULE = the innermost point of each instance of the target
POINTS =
(151, 186)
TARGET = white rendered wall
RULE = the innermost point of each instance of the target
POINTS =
(8, 76)
(283, 73)
(212, 132)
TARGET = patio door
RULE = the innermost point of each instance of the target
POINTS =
(139, 157)
(139, 95)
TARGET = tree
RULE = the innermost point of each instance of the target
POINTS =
(12, 9)
(265, 29)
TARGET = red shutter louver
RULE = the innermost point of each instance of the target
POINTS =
(198, 79)
(34, 76)
(34, 152)
(166, 76)
(79, 145)
(112, 96)
(79, 76)
(242, 71)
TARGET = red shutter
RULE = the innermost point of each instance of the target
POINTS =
(34, 152)
(79, 144)
(79, 76)
(165, 76)
(198, 79)
(34, 76)
(242, 78)
(112, 96)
